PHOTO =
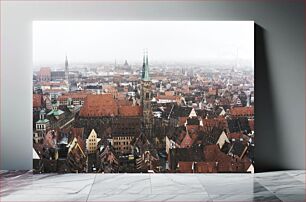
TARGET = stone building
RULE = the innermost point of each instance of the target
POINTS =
(125, 128)
(108, 116)
(146, 97)
(44, 74)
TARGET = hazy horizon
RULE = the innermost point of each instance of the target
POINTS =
(166, 41)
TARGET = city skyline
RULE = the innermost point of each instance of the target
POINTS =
(181, 41)
(149, 116)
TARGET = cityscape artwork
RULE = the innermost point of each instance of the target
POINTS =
(143, 96)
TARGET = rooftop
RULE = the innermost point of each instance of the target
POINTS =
(130, 111)
(242, 111)
(37, 100)
(99, 105)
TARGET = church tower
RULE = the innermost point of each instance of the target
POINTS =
(67, 73)
(146, 96)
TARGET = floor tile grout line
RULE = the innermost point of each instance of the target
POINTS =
(91, 187)
(269, 191)
(151, 185)
(209, 197)
(199, 180)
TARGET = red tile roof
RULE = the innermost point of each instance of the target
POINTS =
(198, 167)
(37, 100)
(168, 97)
(215, 161)
(206, 167)
(99, 105)
(242, 111)
(211, 152)
(234, 135)
(210, 122)
(219, 122)
(225, 164)
(106, 105)
(124, 102)
(185, 167)
(130, 111)
(187, 141)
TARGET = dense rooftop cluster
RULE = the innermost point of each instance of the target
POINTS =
(129, 118)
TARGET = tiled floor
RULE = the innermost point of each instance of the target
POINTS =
(270, 186)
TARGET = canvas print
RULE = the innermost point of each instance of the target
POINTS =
(143, 96)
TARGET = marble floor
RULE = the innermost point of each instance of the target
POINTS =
(23, 186)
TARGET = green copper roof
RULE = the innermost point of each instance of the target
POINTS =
(145, 68)
(55, 112)
(42, 121)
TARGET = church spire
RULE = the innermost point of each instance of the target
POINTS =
(66, 63)
(147, 60)
(67, 73)
(145, 68)
(143, 65)
(146, 96)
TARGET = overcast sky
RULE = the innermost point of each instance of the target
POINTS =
(172, 41)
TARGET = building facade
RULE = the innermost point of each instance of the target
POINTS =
(146, 96)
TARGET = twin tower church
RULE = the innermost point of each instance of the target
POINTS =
(145, 91)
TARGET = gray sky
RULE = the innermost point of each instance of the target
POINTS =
(172, 41)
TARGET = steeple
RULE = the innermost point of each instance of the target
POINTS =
(145, 68)
(67, 73)
(146, 96)
(147, 61)
(143, 65)
(66, 64)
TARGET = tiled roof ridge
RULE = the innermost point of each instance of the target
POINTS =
(107, 105)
